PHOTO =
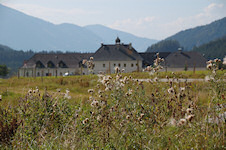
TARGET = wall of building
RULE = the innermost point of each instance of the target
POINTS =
(109, 66)
(37, 72)
(183, 69)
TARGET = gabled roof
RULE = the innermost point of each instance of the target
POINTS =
(149, 57)
(117, 52)
(70, 59)
(180, 59)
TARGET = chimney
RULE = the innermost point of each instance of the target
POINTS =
(130, 45)
(180, 49)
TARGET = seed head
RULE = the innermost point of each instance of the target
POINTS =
(189, 111)
(128, 117)
(190, 117)
(85, 121)
(182, 122)
(90, 91)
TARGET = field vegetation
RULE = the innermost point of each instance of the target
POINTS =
(113, 112)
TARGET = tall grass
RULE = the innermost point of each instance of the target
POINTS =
(111, 112)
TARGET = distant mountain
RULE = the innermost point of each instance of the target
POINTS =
(164, 46)
(109, 35)
(13, 59)
(213, 49)
(200, 35)
(21, 31)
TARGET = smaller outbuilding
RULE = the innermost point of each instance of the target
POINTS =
(184, 60)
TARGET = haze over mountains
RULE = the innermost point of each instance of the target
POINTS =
(23, 32)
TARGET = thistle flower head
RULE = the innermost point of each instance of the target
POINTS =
(128, 117)
(182, 122)
(171, 90)
(189, 111)
(84, 61)
(85, 121)
(117, 70)
(90, 91)
(189, 117)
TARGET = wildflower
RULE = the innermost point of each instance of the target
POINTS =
(189, 117)
(95, 103)
(182, 89)
(128, 117)
(117, 70)
(172, 122)
(209, 66)
(0, 97)
(76, 115)
(171, 90)
(209, 62)
(99, 118)
(90, 91)
(58, 90)
(29, 91)
(84, 61)
(130, 92)
(85, 121)
(142, 115)
(100, 91)
(37, 90)
(189, 110)
(182, 122)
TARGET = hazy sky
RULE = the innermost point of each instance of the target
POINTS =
(155, 19)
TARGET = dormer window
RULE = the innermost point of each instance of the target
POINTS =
(50, 64)
(39, 64)
(62, 64)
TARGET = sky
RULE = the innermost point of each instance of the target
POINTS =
(154, 19)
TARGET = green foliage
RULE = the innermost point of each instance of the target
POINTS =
(164, 46)
(3, 70)
(12, 58)
(41, 116)
(119, 112)
(213, 49)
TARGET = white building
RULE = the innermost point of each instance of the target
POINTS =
(124, 56)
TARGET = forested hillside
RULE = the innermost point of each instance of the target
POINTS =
(13, 59)
(213, 49)
(164, 46)
(201, 35)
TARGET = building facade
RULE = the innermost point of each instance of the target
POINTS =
(106, 59)
(123, 56)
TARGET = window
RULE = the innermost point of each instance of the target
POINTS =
(136, 64)
(39, 65)
(114, 65)
(132, 65)
(124, 65)
(38, 74)
(50, 64)
(104, 65)
(62, 64)
(119, 65)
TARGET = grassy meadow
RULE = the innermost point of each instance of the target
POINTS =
(113, 112)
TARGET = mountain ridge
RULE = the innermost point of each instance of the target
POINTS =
(199, 35)
(21, 31)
